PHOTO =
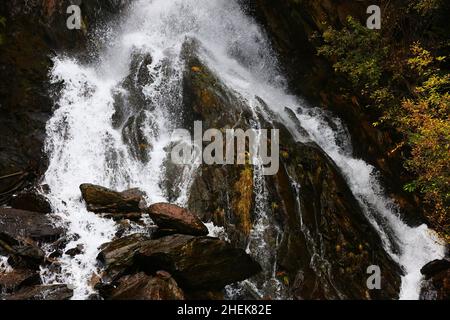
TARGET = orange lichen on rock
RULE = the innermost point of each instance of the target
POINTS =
(243, 204)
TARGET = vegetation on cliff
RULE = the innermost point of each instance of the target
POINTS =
(401, 71)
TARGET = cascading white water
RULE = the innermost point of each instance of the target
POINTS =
(4, 265)
(85, 147)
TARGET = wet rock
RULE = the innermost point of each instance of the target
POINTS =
(42, 292)
(197, 262)
(103, 200)
(27, 224)
(434, 267)
(133, 109)
(123, 227)
(437, 284)
(224, 195)
(23, 253)
(26, 255)
(205, 97)
(118, 256)
(142, 287)
(217, 191)
(56, 254)
(168, 216)
(160, 233)
(16, 279)
(31, 201)
(138, 78)
(79, 249)
(133, 216)
(337, 242)
(59, 245)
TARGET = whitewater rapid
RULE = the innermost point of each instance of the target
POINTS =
(84, 146)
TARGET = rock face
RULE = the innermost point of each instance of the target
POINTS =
(103, 200)
(51, 292)
(142, 287)
(437, 280)
(172, 217)
(329, 256)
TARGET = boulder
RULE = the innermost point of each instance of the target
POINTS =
(31, 201)
(437, 283)
(103, 200)
(197, 263)
(28, 224)
(79, 249)
(118, 256)
(26, 255)
(434, 267)
(172, 217)
(143, 287)
(42, 292)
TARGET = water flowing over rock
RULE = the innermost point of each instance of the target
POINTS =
(309, 194)
(180, 220)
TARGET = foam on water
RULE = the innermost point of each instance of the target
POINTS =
(4, 265)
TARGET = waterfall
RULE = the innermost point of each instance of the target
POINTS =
(86, 145)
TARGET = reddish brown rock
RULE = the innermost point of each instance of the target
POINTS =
(16, 279)
(169, 216)
(103, 200)
(118, 256)
(143, 287)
